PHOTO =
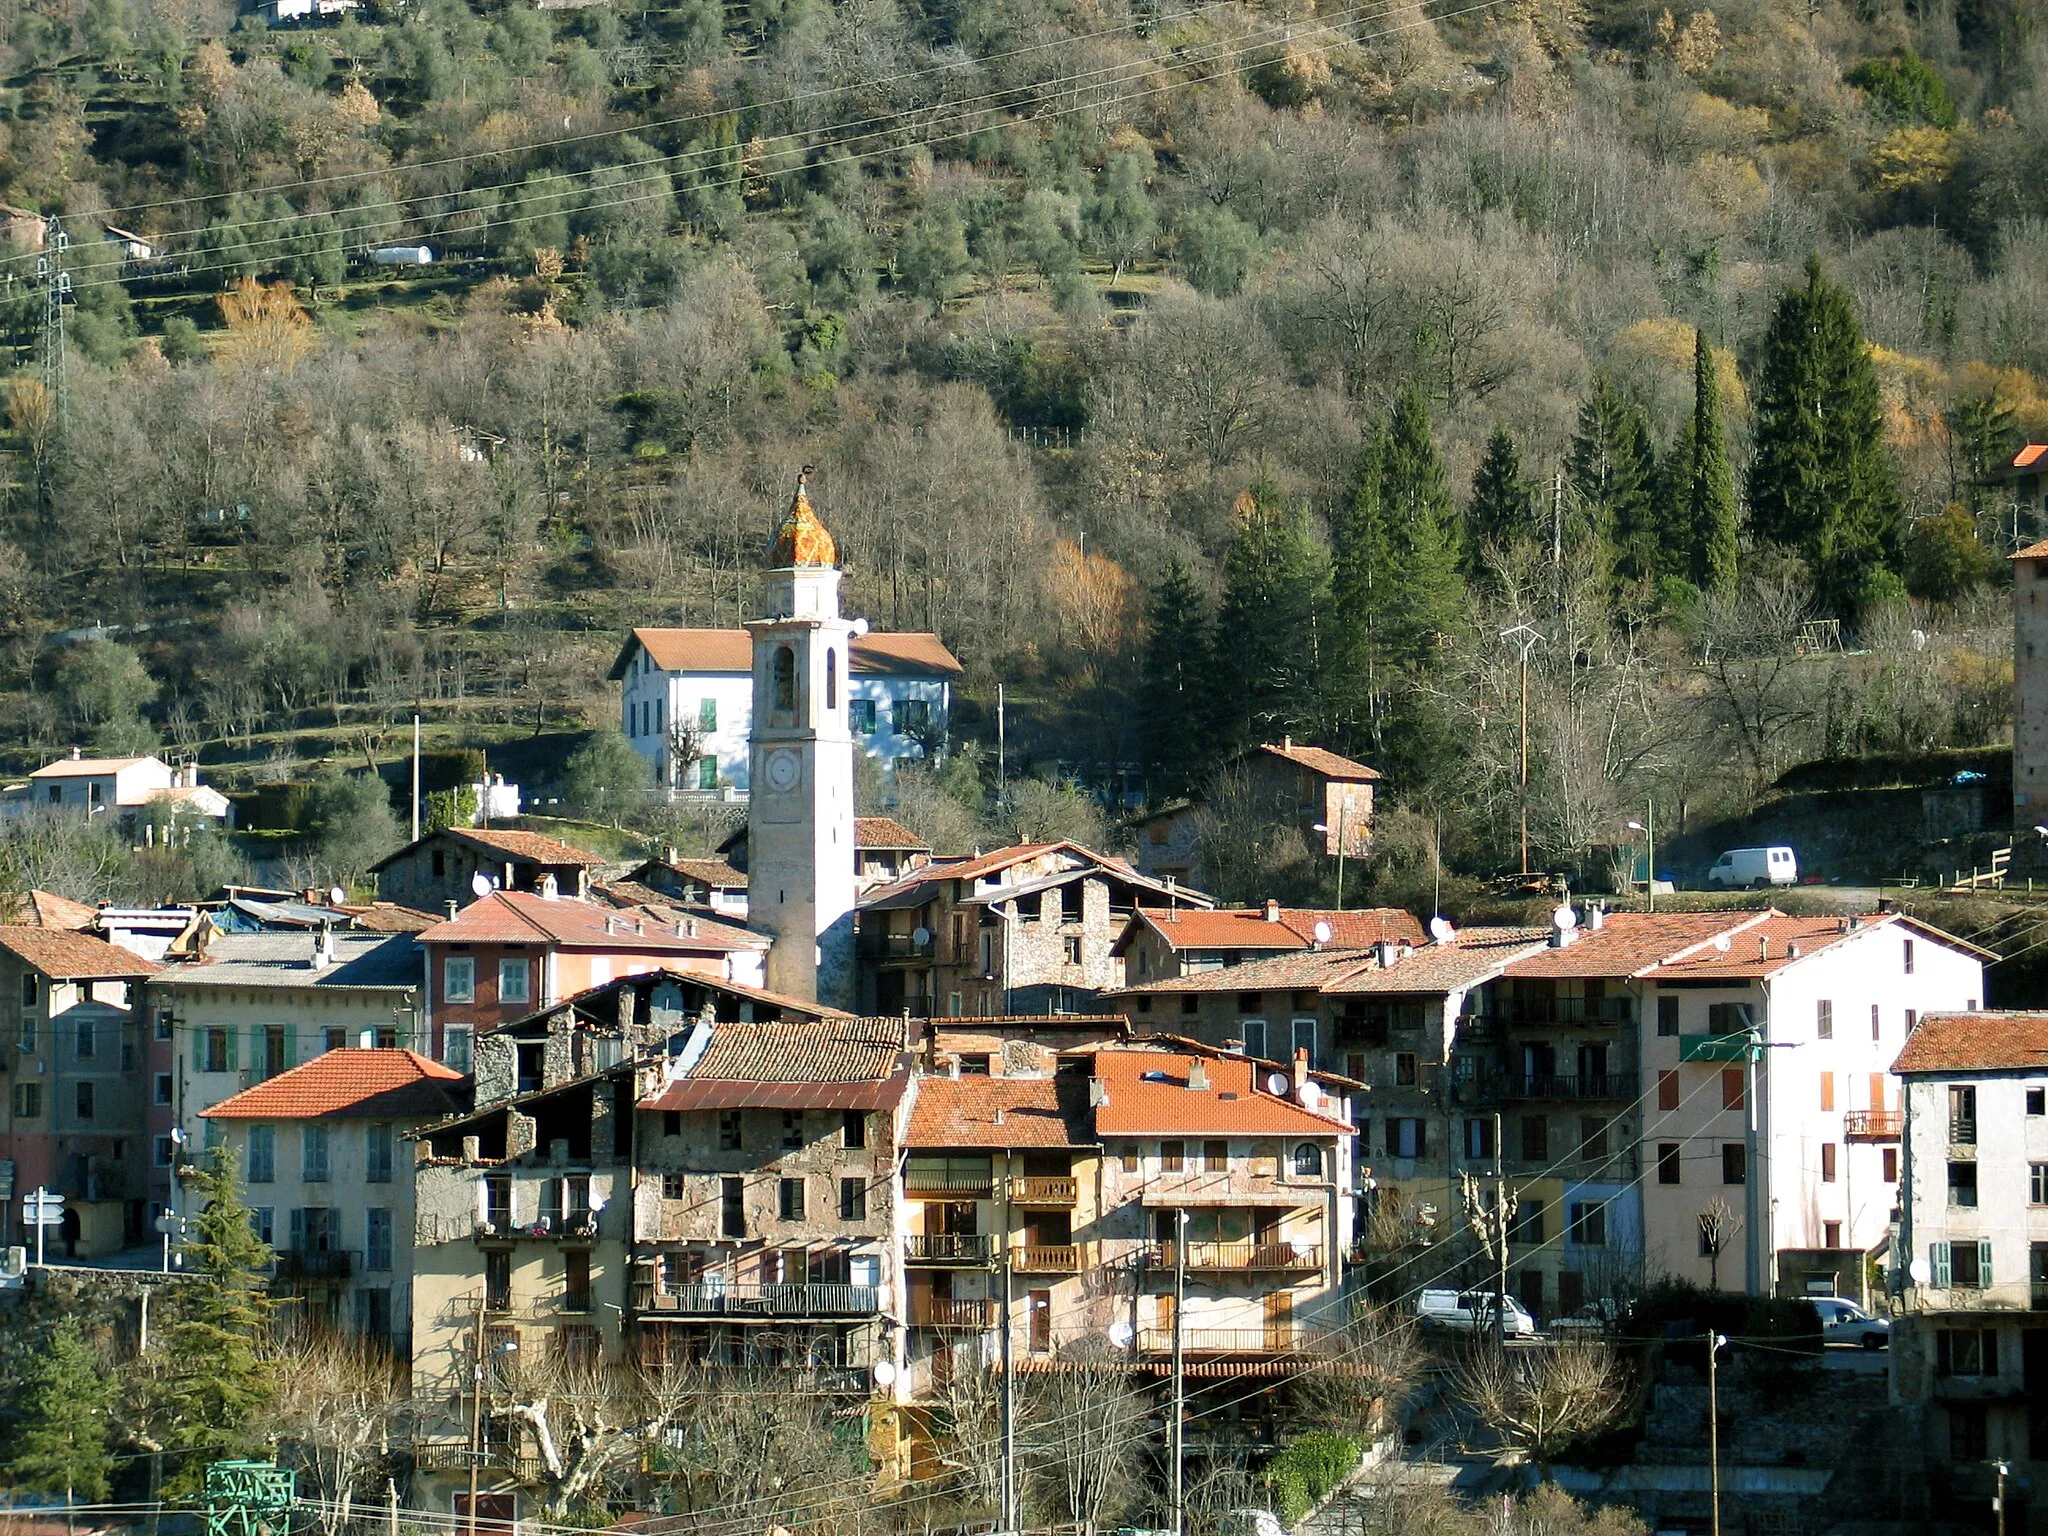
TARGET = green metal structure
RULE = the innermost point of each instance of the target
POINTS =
(249, 1498)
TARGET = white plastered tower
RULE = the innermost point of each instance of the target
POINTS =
(800, 886)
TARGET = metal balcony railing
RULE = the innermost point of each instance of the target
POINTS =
(973, 1186)
(1039, 1190)
(903, 946)
(1223, 1341)
(330, 1265)
(948, 1248)
(1549, 1085)
(738, 1299)
(1046, 1258)
(1563, 1010)
(951, 1312)
(1243, 1256)
(1874, 1124)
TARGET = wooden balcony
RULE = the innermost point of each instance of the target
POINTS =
(1243, 1256)
(1874, 1124)
(955, 1248)
(1046, 1259)
(741, 1300)
(1223, 1341)
(927, 1185)
(950, 1312)
(1035, 1190)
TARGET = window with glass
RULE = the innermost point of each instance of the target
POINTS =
(729, 1128)
(85, 1040)
(1668, 1163)
(87, 1100)
(1962, 1115)
(455, 1047)
(790, 1199)
(1589, 1223)
(853, 1199)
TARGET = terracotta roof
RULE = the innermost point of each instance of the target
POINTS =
(1036, 1111)
(64, 955)
(1986, 1041)
(1763, 948)
(911, 889)
(1248, 927)
(1236, 1103)
(2028, 455)
(45, 909)
(390, 917)
(712, 872)
(1472, 955)
(381, 1084)
(1318, 760)
(882, 835)
(837, 1063)
(912, 653)
(1630, 943)
(2037, 551)
(802, 539)
(528, 847)
(520, 917)
(85, 767)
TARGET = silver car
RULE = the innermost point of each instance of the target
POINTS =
(1843, 1322)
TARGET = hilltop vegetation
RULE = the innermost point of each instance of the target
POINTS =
(1203, 372)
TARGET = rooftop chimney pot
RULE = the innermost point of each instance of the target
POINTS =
(1300, 1072)
(1198, 1076)
(1272, 910)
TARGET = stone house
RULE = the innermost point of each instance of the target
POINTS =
(1021, 930)
(1327, 796)
(1162, 942)
(446, 866)
(74, 1118)
(328, 1177)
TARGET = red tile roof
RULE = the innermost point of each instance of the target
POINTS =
(1976, 1042)
(732, 650)
(1630, 943)
(2038, 551)
(519, 917)
(381, 1084)
(883, 835)
(1236, 1102)
(1036, 1112)
(2028, 455)
(1318, 760)
(73, 956)
(1248, 927)
(45, 909)
(838, 1063)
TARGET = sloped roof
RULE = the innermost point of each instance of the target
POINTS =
(881, 834)
(796, 1007)
(911, 653)
(1321, 761)
(390, 917)
(1471, 956)
(1036, 1112)
(1630, 943)
(278, 958)
(1149, 1096)
(525, 847)
(1248, 927)
(380, 1084)
(46, 909)
(713, 872)
(1985, 1041)
(520, 917)
(1763, 948)
(60, 953)
(86, 767)
(2035, 551)
(910, 889)
(837, 1063)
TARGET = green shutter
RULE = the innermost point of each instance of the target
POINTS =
(291, 1046)
(230, 1032)
(199, 1050)
(1937, 1263)
(1984, 1263)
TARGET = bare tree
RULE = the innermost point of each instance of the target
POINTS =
(1717, 1225)
(971, 1445)
(1081, 1435)
(339, 1399)
(1542, 1401)
(1365, 1370)
(1749, 647)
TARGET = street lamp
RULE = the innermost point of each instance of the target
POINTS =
(1648, 827)
(1343, 809)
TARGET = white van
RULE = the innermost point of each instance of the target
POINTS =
(1470, 1312)
(1753, 867)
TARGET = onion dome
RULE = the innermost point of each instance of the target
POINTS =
(802, 539)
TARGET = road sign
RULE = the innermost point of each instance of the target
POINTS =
(42, 1209)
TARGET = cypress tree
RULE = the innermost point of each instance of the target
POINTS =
(1276, 587)
(1820, 479)
(217, 1384)
(1612, 469)
(68, 1398)
(1428, 597)
(1710, 513)
(1501, 509)
(1173, 688)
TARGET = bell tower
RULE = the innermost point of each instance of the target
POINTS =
(800, 887)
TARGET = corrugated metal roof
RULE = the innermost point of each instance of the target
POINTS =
(279, 959)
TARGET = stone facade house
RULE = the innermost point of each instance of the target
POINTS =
(1326, 796)
(1159, 943)
(445, 866)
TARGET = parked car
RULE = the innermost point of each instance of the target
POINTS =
(1843, 1322)
(1753, 868)
(1470, 1312)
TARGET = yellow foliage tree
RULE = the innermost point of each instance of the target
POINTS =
(1913, 157)
(1096, 599)
(267, 326)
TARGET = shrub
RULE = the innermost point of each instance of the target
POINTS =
(1308, 1469)
(1905, 90)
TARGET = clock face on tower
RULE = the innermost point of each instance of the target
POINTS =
(784, 770)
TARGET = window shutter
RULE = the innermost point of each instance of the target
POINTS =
(1984, 1263)
(230, 1033)
(298, 1229)
(1937, 1264)
(198, 1050)
(291, 1046)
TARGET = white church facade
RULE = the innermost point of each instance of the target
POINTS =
(686, 702)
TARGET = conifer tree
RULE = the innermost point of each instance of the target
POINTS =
(1711, 519)
(1360, 587)
(1428, 597)
(1501, 509)
(218, 1384)
(1821, 480)
(1276, 587)
(67, 1400)
(1174, 695)
(1612, 470)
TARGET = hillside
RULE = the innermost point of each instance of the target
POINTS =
(1201, 372)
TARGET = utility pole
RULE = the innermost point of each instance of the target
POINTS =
(390, 1506)
(1490, 1224)
(1002, 750)
(1007, 1482)
(51, 273)
(1523, 636)
(1177, 1426)
(476, 1415)
(1752, 1244)
(416, 778)
(1648, 827)
(1714, 1343)
(1998, 1499)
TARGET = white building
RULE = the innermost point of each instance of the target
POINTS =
(328, 1176)
(689, 694)
(1970, 1252)
(1830, 1001)
(121, 787)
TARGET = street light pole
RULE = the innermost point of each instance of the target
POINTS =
(1714, 1343)
(1648, 827)
(1527, 639)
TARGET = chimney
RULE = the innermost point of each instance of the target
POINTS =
(323, 948)
(1286, 743)
(550, 888)
(451, 906)
(1596, 917)
(1763, 946)
(1272, 910)
(1098, 1093)
(1300, 1072)
(1385, 950)
(668, 854)
(76, 754)
(1198, 1076)
(1235, 1047)
(1791, 951)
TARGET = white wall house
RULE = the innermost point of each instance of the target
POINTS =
(119, 787)
(694, 689)
(1832, 1000)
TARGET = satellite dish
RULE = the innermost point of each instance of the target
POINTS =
(860, 628)
(337, 895)
(1322, 933)
(480, 883)
(885, 1373)
(1276, 1084)
(1441, 930)
(1564, 919)
(920, 936)
(1121, 1334)
(1311, 1095)
(1721, 942)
